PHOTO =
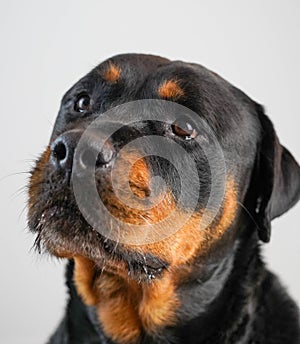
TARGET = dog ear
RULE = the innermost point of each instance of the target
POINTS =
(277, 178)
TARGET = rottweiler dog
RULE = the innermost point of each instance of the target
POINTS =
(198, 283)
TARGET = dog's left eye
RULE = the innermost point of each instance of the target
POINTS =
(184, 129)
(82, 103)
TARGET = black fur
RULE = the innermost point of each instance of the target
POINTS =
(230, 297)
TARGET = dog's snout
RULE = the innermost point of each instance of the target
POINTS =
(90, 154)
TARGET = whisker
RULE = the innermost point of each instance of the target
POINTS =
(14, 174)
(117, 241)
(19, 192)
(249, 214)
(22, 212)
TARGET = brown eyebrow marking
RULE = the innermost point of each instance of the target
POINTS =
(170, 90)
(112, 73)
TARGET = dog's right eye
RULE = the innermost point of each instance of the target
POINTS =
(184, 129)
(82, 103)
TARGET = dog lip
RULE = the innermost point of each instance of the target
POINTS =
(50, 212)
(56, 210)
(156, 266)
(38, 221)
(138, 264)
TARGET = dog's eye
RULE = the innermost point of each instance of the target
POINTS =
(82, 103)
(184, 129)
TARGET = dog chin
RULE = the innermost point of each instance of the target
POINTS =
(70, 236)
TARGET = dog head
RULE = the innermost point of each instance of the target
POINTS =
(194, 131)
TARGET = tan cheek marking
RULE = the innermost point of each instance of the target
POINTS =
(37, 178)
(170, 90)
(139, 180)
(191, 241)
(139, 177)
(136, 216)
(112, 73)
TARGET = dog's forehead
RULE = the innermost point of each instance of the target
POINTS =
(132, 77)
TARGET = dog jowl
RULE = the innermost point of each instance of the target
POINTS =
(159, 183)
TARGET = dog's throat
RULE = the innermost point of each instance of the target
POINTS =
(126, 308)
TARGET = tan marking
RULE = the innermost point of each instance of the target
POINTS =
(113, 72)
(170, 90)
(117, 308)
(139, 179)
(159, 304)
(177, 250)
(126, 308)
(84, 273)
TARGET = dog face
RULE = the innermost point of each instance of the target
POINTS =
(258, 173)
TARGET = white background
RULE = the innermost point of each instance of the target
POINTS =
(47, 45)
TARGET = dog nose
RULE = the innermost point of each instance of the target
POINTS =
(63, 150)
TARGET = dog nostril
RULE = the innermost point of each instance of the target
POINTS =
(104, 157)
(60, 151)
(91, 158)
(88, 158)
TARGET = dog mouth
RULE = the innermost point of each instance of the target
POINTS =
(62, 231)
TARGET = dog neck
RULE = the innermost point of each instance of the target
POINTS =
(125, 311)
